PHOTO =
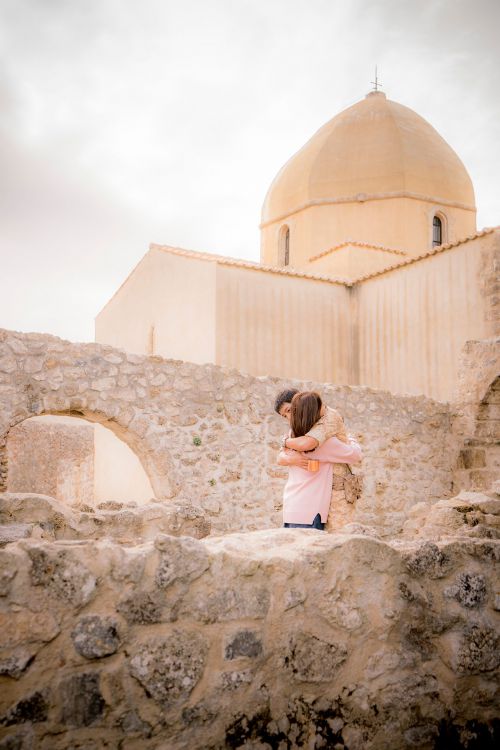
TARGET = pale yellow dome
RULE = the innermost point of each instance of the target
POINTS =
(373, 149)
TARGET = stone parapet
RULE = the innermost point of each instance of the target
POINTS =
(284, 638)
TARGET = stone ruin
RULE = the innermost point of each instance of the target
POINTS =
(195, 621)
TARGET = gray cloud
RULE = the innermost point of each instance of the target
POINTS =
(124, 122)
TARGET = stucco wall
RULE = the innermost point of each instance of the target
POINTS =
(399, 223)
(268, 324)
(163, 308)
(413, 322)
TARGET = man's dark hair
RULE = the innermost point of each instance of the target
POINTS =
(284, 397)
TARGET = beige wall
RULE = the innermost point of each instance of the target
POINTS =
(413, 322)
(269, 324)
(402, 330)
(174, 297)
(398, 223)
(118, 473)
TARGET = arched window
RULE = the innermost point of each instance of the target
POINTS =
(437, 231)
(284, 246)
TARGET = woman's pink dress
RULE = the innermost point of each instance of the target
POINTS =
(308, 493)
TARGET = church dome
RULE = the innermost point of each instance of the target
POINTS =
(376, 148)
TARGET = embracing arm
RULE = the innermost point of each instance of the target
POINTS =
(336, 452)
(304, 443)
(292, 458)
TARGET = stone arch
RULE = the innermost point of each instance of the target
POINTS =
(74, 460)
(42, 375)
(161, 487)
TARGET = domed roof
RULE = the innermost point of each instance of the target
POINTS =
(374, 148)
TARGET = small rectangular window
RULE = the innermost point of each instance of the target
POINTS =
(437, 232)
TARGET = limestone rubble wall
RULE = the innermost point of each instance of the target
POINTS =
(209, 435)
(272, 639)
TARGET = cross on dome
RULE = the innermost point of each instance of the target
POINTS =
(376, 84)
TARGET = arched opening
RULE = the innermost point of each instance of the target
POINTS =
(438, 230)
(78, 462)
(284, 246)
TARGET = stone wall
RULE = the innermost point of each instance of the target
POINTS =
(209, 436)
(52, 459)
(478, 406)
(479, 461)
(272, 639)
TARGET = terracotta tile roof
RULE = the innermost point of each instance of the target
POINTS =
(366, 245)
(434, 251)
(405, 261)
(225, 261)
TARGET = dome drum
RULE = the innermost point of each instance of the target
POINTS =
(377, 173)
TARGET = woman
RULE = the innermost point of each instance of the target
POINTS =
(306, 497)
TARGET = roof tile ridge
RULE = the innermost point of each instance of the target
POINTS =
(229, 261)
(433, 251)
(359, 243)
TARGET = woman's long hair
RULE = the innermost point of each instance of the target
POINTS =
(305, 411)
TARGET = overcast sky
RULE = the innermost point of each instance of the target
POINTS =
(125, 122)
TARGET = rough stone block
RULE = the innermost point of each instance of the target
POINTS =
(245, 643)
(95, 636)
(469, 590)
(81, 699)
(169, 668)
(62, 575)
(34, 708)
(309, 659)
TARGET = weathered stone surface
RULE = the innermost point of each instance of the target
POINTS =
(15, 663)
(169, 668)
(14, 531)
(34, 708)
(81, 700)
(95, 636)
(61, 575)
(15, 742)
(230, 681)
(53, 520)
(310, 659)
(429, 561)
(478, 651)
(245, 643)
(469, 590)
(181, 559)
(132, 724)
(228, 603)
(21, 626)
(142, 607)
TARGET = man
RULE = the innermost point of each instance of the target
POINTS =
(329, 425)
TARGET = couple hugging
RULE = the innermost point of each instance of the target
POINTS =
(318, 452)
